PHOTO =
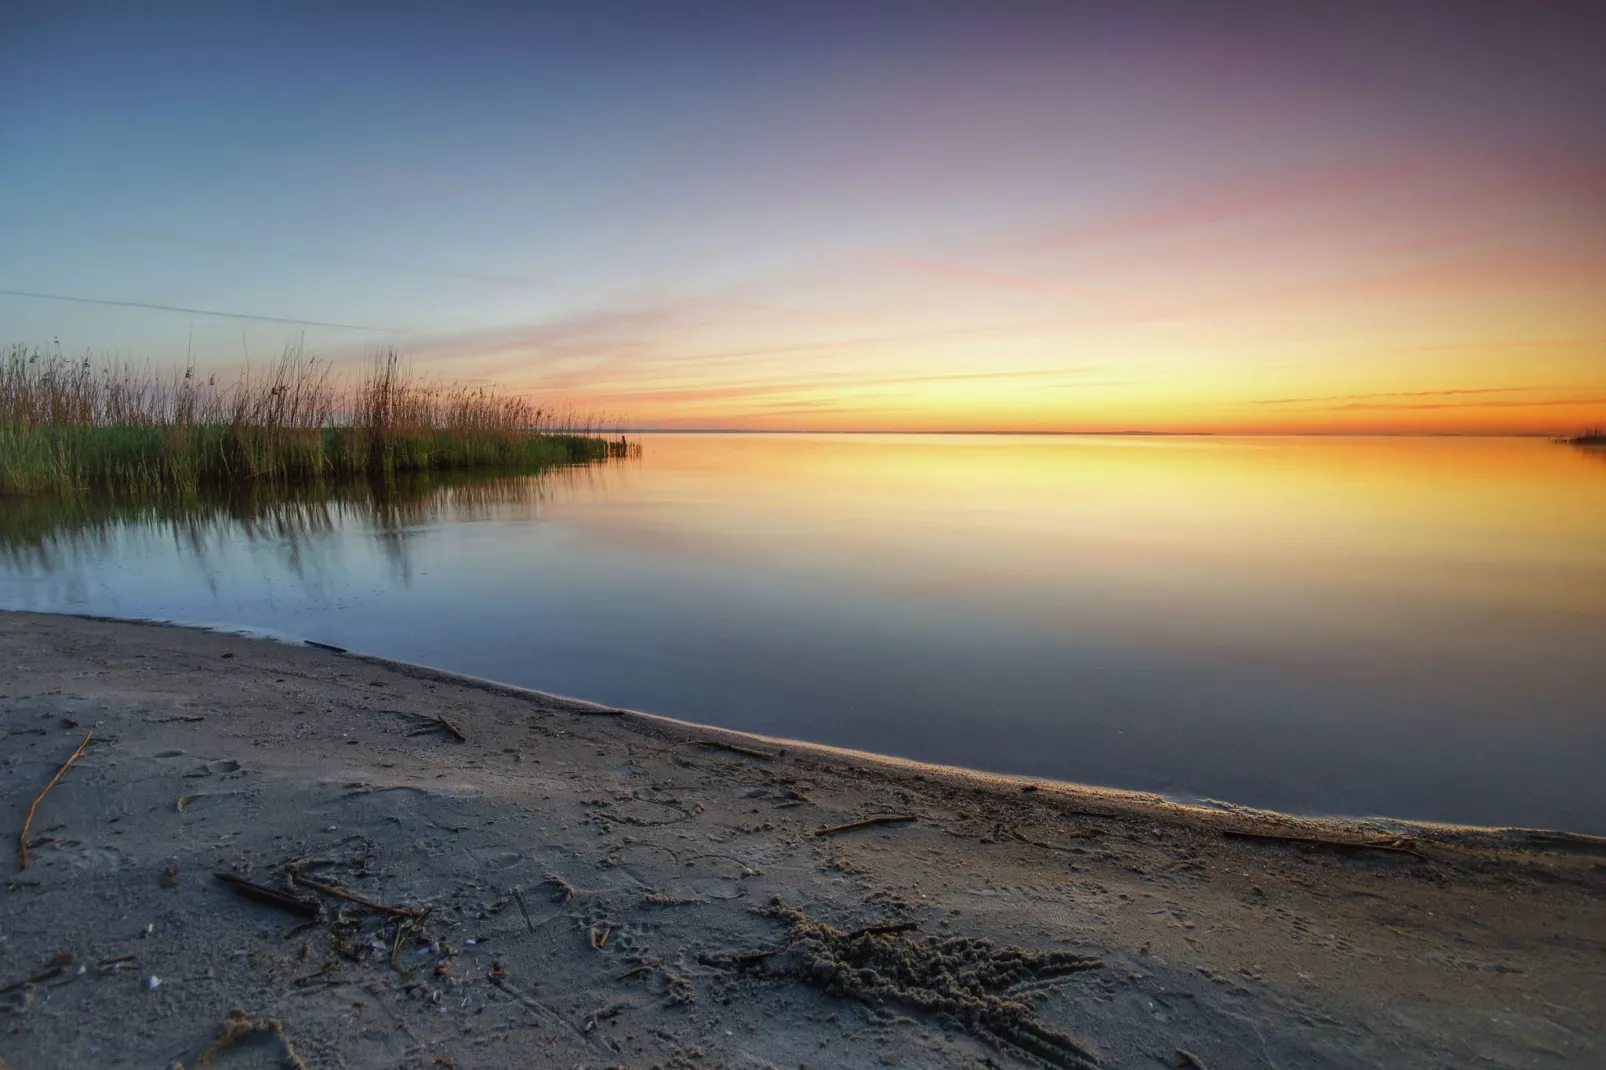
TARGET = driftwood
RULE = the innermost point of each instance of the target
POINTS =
(1332, 845)
(352, 897)
(22, 840)
(307, 908)
(719, 744)
(438, 724)
(885, 819)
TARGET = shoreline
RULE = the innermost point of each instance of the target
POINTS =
(524, 879)
(1154, 804)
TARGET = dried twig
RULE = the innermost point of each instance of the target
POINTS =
(650, 964)
(886, 819)
(23, 839)
(410, 925)
(1189, 1060)
(307, 908)
(719, 744)
(59, 963)
(519, 899)
(352, 897)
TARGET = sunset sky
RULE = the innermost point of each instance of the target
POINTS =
(868, 215)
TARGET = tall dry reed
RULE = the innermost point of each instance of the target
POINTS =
(68, 425)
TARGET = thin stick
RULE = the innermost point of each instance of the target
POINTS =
(519, 899)
(23, 839)
(352, 897)
(719, 744)
(650, 964)
(307, 908)
(888, 819)
(53, 970)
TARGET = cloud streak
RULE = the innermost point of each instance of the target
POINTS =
(1402, 394)
(200, 312)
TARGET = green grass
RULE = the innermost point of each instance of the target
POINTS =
(68, 427)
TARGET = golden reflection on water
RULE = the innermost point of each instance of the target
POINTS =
(1398, 626)
(1472, 519)
(1469, 521)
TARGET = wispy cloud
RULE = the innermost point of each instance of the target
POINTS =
(1402, 394)
(1498, 404)
(255, 317)
(226, 245)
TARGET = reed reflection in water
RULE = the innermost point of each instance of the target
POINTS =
(303, 529)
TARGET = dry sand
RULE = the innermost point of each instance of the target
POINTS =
(675, 906)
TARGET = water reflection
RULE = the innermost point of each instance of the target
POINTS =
(45, 537)
(1400, 626)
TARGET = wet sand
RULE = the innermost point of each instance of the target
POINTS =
(572, 886)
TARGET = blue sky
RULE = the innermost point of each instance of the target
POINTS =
(825, 214)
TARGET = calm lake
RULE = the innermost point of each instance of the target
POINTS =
(1405, 627)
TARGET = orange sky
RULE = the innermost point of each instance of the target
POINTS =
(1458, 295)
(1398, 292)
(1175, 216)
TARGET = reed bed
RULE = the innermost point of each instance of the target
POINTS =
(70, 426)
(1590, 436)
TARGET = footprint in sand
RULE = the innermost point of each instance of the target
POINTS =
(710, 877)
(248, 1043)
(216, 767)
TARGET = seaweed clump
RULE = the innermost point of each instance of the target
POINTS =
(970, 980)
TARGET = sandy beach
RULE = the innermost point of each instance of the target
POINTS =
(466, 875)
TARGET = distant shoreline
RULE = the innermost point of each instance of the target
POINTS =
(1082, 434)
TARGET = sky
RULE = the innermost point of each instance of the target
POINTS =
(1224, 217)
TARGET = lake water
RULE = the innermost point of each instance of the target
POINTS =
(1406, 627)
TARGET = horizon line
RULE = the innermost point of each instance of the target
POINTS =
(1102, 434)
